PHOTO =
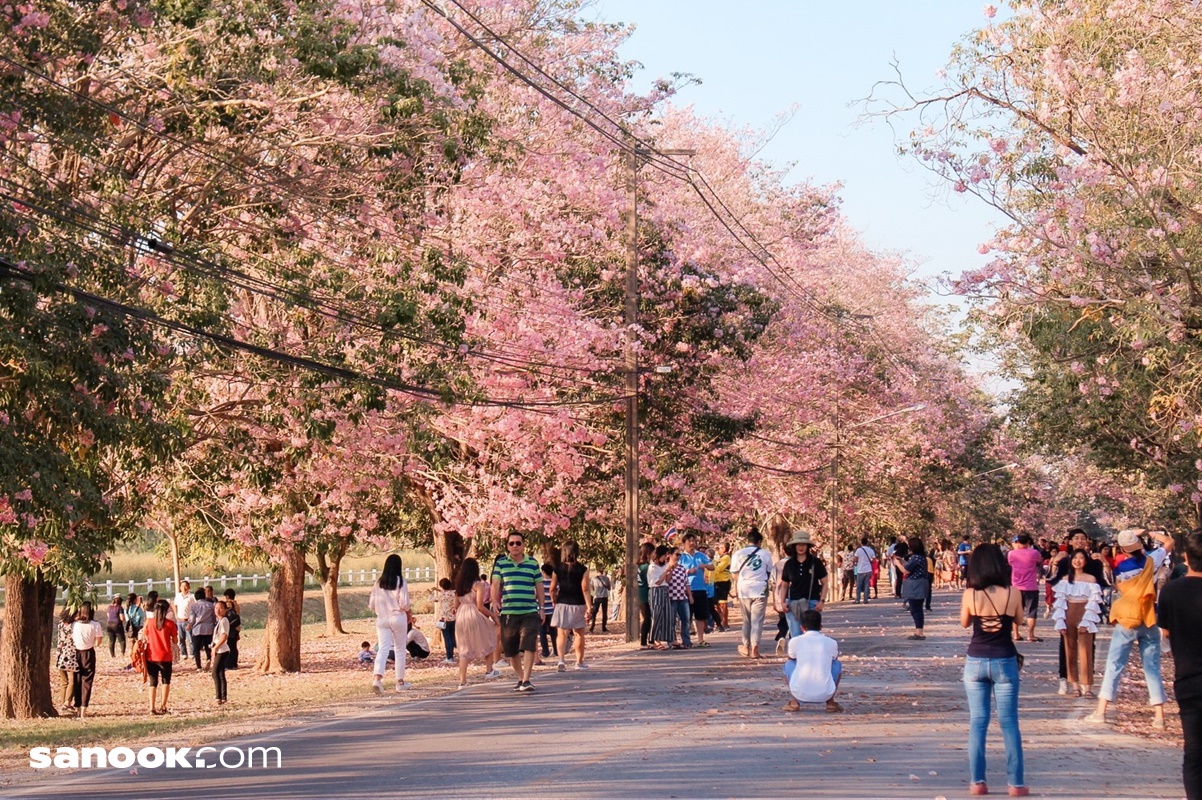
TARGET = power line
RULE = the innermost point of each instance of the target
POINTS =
(312, 365)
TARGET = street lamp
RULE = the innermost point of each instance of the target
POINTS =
(837, 445)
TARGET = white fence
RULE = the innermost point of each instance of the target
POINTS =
(350, 577)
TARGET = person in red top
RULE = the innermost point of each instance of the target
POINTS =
(161, 634)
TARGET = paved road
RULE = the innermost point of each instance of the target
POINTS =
(693, 724)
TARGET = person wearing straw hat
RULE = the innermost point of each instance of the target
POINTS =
(802, 584)
(1134, 616)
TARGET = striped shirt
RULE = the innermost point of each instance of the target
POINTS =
(517, 585)
(548, 606)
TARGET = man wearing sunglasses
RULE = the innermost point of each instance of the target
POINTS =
(517, 587)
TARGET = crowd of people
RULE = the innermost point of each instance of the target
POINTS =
(161, 632)
(523, 612)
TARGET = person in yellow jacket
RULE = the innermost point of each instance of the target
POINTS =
(1133, 613)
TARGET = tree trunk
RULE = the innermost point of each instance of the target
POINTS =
(449, 552)
(285, 601)
(327, 573)
(25, 648)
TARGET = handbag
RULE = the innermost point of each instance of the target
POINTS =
(1020, 658)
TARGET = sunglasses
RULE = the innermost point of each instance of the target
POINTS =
(515, 544)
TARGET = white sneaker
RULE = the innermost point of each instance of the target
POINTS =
(493, 675)
(461, 686)
(401, 687)
(448, 662)
(1063, 687)
(561, 667)
(582, 665)
(377, 687)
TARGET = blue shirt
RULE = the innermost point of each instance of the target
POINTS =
(697, 579)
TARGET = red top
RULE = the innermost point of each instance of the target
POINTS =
(160, 640)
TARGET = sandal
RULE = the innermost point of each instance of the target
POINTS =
(703, 644)
(792, 705)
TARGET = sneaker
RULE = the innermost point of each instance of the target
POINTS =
(517, 687)
(400, 687)
(461, 686)
(492, 675)
(561, 667)
(448, 662)
(377, 687)
(1063, 687)
(525, 686)
(582, 665)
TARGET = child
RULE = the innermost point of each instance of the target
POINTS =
(366, 656)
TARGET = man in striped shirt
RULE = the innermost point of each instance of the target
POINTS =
(517, 589)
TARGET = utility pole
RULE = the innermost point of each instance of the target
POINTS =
(634, 158)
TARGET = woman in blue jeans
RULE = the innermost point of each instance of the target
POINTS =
(992, 608)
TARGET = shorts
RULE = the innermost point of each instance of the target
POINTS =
(156, 668)
(700, 607)
(721, 591)
(568, 617)
(519, 633)
(1031, 604)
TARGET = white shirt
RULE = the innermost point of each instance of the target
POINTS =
(654, 573)
(86, 635)
(751, 567)
(864, 556)
(389, 602)
(183, 603)
(812, 681)
(222, 628)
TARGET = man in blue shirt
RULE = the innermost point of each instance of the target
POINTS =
(963, 552)
(696, 564)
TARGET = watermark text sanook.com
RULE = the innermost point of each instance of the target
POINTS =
(156, 757)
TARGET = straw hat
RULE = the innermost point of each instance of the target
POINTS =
(1129, 540)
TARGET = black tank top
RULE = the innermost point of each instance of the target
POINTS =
(570, 593)
(992, 635)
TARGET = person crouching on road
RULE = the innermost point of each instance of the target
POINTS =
(812, 670)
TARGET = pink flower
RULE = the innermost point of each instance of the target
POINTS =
(990, 12)
(24, 494)
(35, 551)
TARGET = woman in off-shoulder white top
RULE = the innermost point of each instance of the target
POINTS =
(1076, 611)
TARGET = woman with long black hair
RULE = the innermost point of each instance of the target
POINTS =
(390, 600)
(663, 625)
(994, 610)
(475, 622)
(571, 594)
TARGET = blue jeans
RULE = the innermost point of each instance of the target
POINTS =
(681, 609)
(1121, 641)
(996, 678)
(794, 615)
(863, 581)
(790, 666)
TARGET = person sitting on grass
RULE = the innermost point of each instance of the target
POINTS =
(812, 670)
(366, 655)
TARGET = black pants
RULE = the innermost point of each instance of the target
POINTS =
(930, 590)
(219, 665)
(200, 642)
(231, 662)
(1191, 725)
(602, 604)
(83, 681)
(116, 633)
(916, 613)
(645, 627)
(548, 637)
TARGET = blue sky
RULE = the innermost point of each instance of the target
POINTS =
(759, 58)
